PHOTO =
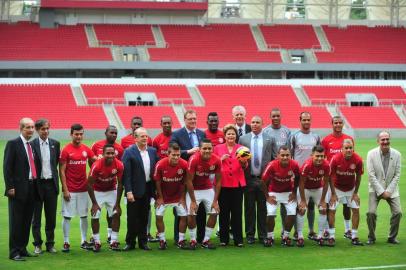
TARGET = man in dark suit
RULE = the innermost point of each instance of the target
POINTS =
(239, 114)
(139, 162)
(47, 153)
(261, 145)
(189, 138)
(19, 176)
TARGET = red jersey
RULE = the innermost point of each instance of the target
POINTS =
(172, 179)
(106, 176)
(97, 149)
(161, 144)
(129, 140)
(344, 171)
(333, 144)
(201, 169)
(76, 158)
(282, 179)
(215, 138)
(315, 175)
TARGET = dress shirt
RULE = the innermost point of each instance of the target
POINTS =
(147, 164)
(385, 161)
(26, 152)
(193, 137)
(46, 172)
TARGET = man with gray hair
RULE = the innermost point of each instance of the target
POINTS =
(19, 175)
(239, 114)
(383, 164)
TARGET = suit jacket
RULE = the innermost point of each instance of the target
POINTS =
(181, 137)
(378, 182)
(134, 174)
(16, 168)
(54, 152)
(247, 130)
(268, 144)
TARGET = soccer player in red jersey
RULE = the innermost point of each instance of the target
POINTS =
(170, 176)
(346, 171)
(313, 183)
(213, 133)
(332, 144)
(129, 140)
(72, 171)
(200, 190)
(280, 180)
(161, 141)
(101, 186)
(111, 136)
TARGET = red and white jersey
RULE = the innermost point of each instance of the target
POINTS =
(161, 144)
(106, 176)
(202, 169)
(282, 179)
(344, 171)
(97, 149)
(76, 158)
(333, 145)
(315, 175)
(215, 138)
(172, 179)
(129, 140)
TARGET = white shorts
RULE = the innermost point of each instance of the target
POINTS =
(281, 198)
(315, 194)
(105, 199)
(180, 210)
(344, 197)
(206, 197)
(78, 205)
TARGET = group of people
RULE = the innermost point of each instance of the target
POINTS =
(198, 174)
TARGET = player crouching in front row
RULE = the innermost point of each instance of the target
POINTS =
(346, 170)
(280, 180)
(102, 182)
(170, 176)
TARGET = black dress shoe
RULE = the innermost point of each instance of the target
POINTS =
(145, 247)
(370, 242)
(393, 241)
(17, 258)
(128, 247)
(27, 254)
(251, 240)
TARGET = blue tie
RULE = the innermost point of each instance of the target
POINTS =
(193, 139)
(256, 158)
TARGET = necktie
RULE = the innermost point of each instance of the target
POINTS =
(256, 158)
(192, 139)
(32, 164)
(240, 132)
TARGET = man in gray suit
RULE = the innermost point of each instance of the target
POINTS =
(260, 145)
(384, 165)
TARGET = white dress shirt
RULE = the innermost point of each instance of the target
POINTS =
(46, 172)
(147, 164)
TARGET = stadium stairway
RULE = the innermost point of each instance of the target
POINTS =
(91, 36)
(285, 56)
(401, 112)
(301, 96)
(310, 56)
(179, 110)
(321, 36)
(112, 116)
(259, 38)
(158, 36)
(143, 54)
(79, 95)
(196, 96)
(335, 111)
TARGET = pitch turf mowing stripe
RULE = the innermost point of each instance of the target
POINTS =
(370, 267)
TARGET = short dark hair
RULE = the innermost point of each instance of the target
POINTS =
(136, 117)
(107, 146)
(173, 146)
(40, 123)
(205, 140)
(212, 114)
(305, 112)
(284, 148)
(110, 127)
(166, 116)
(318, 148)
(75, 127)
(336, 117)
(276, 109)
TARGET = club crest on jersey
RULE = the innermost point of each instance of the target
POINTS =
(321, 172)
(352, 166)
(116, 152)
(290, 172)
(84, 153)
(221, 140)
(114, 171)
(283, 135)
(180, 171)
(212, 167)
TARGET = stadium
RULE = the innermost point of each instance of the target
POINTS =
(101, 62)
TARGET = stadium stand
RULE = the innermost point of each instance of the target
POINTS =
(150, 115)
(27, 41)
(362, 44)
(216, 42)
(372, 117)
(290, 36)
(54, 102)
(125, 35)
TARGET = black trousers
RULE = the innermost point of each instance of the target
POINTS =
(201, 223)
(230, 202)
(48, 200)
(137, 220)
(20, 213)
(255, 212)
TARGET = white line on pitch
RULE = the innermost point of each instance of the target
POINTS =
(370, 267)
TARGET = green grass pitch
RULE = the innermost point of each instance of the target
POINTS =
(250, 257)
